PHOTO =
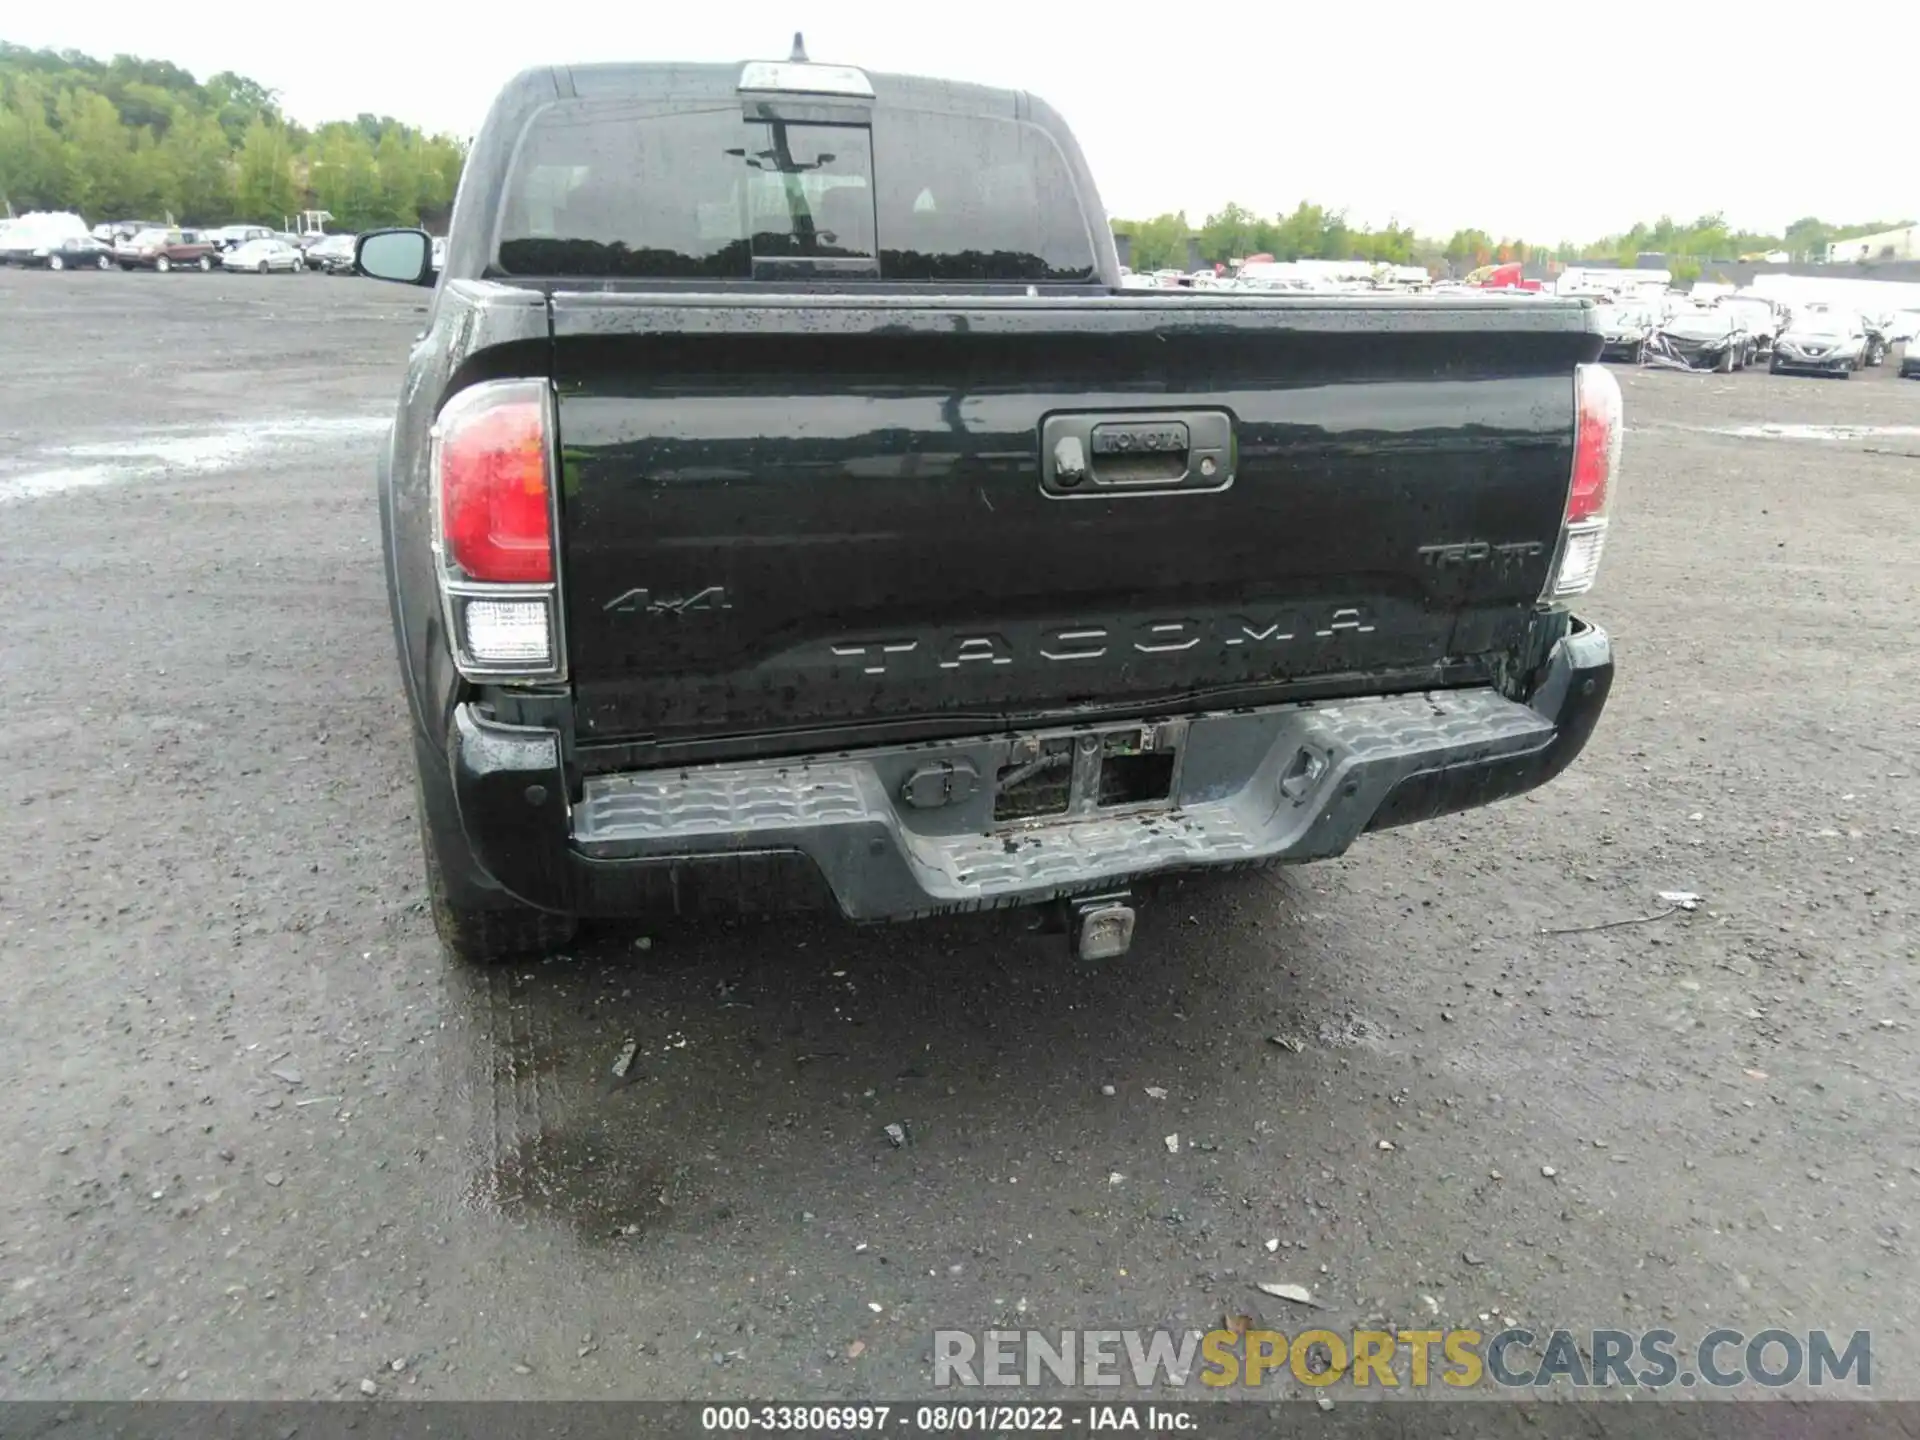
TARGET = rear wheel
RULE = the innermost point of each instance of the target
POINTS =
(263, 267)
(55, 262)
(162, 264)
(477, 926)
(105, 262)
(206, 262)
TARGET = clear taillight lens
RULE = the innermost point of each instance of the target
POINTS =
(1599, 426)
(505, 632)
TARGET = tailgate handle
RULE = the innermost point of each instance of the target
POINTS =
(1139, 453)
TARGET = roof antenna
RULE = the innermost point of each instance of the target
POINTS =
(799, 56)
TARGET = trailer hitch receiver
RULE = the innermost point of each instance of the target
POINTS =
(1102, 926)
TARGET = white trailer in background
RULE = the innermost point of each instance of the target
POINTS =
(1601, 280)
(1901, 244)
(1329, 275)
(1274, 275)
(1408, 277)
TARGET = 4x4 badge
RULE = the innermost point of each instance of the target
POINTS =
(634, 602)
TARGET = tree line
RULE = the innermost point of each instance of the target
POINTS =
(1313, 232)
(142, 139)
(131, 138)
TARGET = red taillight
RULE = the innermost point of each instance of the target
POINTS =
(1599, 423)
(495, 510)
(1596, 442)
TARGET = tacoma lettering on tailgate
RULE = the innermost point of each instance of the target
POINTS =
(1092, 642)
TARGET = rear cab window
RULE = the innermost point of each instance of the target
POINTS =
(712, 190)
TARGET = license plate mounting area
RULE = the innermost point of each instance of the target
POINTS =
(1071, 774)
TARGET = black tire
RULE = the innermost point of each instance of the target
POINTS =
(263, 267)
(476, 926)
(105, 262)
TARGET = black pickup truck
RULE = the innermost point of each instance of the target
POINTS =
(786, 504)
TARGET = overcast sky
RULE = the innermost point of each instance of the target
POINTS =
(1538, 119)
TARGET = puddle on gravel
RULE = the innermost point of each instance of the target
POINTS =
(176, 452)
(53, 482)
(591, 1176)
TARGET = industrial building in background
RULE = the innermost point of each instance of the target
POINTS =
(1903, 244)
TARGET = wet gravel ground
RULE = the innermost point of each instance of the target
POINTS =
(262, 1139)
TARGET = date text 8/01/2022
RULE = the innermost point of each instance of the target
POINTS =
(946, 1419)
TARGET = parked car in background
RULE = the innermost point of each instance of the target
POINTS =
(232, 237)
(1909, 361)
(1707, 338)
(264, 256)
(1822, 342)
(163, 250)
(1624, 331)
(332, 254)
(26, 239)
(1879, 333)
(1760, 318)
(66, 252)
(115, 231)
(16, 241)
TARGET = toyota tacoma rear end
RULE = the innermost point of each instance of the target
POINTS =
(786, 504)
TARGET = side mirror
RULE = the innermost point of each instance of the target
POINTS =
(402, 255)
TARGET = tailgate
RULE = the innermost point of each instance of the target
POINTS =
(833, 520)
